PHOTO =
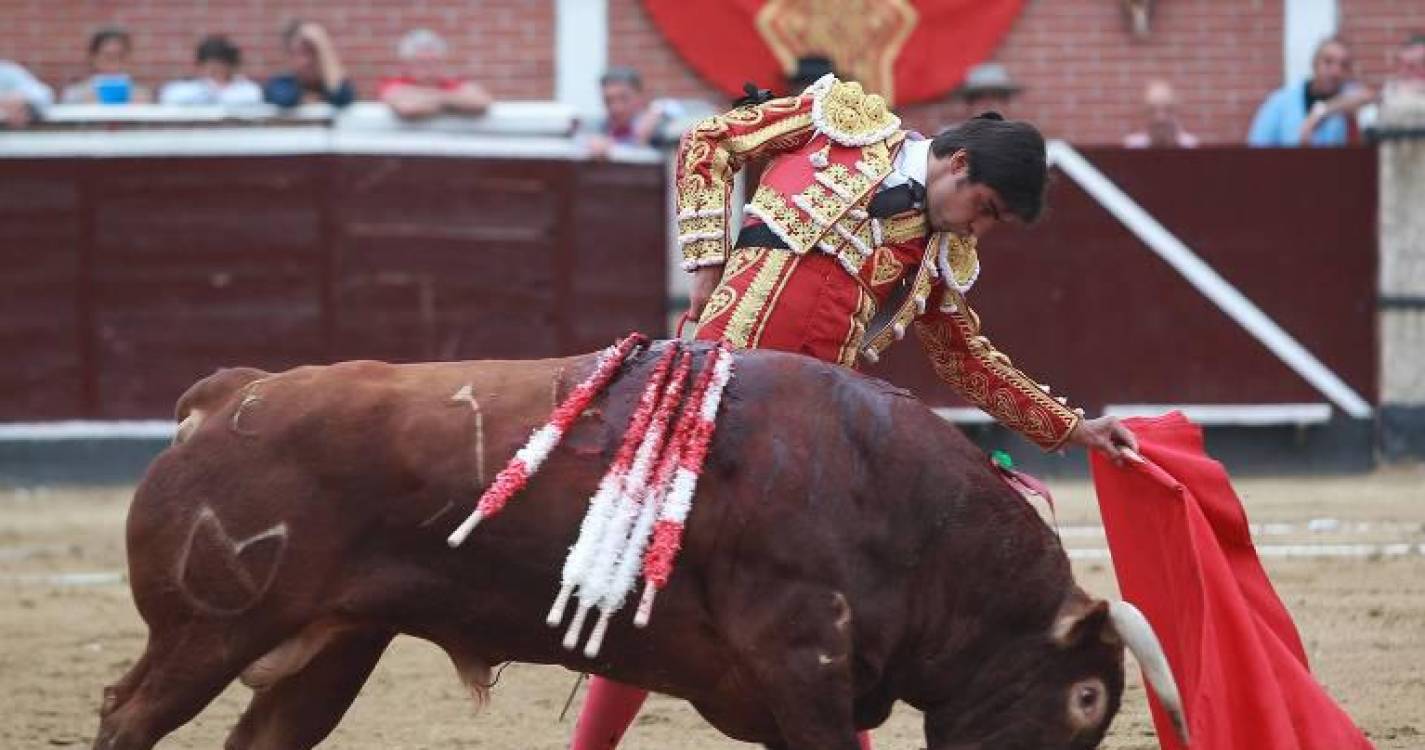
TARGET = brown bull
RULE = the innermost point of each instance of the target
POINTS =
(847, 549)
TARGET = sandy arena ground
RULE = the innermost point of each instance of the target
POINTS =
(67, 627)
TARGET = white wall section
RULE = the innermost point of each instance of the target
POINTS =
(581, 53)
(1306, 23)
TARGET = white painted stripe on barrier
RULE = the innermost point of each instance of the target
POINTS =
(963, 415)
(66, 580)
(1206, 280)
(26, 552)
(220, 141)
(1233, 414)
(1279, 528)
(1206, 414)
(1294, 551)
(88, 430)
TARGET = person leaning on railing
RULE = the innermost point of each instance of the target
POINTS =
(218, 80)
(109, 81)
(316, 73)
(23, 98)
(427, 86)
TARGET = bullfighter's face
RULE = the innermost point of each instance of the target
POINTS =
(1056, 692)
(954, 204)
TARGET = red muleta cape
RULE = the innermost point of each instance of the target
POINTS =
(1183, 554)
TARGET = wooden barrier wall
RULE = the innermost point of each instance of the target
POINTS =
(123, 280)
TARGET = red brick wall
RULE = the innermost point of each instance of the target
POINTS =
(1082, 71)
(506, 44)
(636, 42)
(1375, 29)
(1084, 74)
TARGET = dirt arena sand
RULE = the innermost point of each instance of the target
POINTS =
(64, 633)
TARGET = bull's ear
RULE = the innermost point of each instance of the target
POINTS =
(1080, 621)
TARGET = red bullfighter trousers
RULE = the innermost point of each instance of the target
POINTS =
(806, 304)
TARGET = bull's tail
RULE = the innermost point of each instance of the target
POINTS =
(205, 396)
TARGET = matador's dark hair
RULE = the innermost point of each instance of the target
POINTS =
(1007, 155)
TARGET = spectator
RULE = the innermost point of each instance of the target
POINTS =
(1163, 129)
(317, 74)
(109, 81)
(808, 70)
(425, 87)
(630, 119)
(987, 86)
(218, 80)
(1409, 75)
(1403, 90)
(1317, 112)
(23, 98)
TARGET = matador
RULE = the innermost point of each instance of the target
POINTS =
(858, 231)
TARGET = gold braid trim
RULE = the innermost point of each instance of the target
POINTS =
(904, 227)
(712, 152)
(754, 300)
(1038, 422)
(885, 267)
(911, 307)
(865, 310)
(827, 205)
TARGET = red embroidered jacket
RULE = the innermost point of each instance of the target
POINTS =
(834, 145)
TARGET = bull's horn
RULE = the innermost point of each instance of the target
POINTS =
(1139, 637)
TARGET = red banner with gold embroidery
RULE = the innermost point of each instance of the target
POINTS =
(906, 50)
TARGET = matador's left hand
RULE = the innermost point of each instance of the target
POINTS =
(1106, 435)
(705, 280)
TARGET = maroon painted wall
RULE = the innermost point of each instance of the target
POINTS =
(124, 280)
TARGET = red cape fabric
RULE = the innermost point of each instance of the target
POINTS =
(720, 40)
(1183, 554)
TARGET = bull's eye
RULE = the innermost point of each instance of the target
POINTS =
(1088, 696)
(1087, 703)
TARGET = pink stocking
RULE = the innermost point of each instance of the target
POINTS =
(608, 710)
(611, 707)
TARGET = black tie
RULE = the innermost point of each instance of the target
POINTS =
(897, 200)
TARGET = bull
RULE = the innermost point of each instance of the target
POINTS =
(847, 549)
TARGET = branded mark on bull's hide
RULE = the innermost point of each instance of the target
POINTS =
(466, 395)
(223, 576)
(250, 398)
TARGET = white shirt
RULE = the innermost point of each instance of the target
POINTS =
(912, 163)
(200, 91)
(16, 80)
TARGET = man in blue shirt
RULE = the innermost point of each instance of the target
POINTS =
(1316, 112)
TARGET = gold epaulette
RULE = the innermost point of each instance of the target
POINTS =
(846, 114)
(957, 260)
